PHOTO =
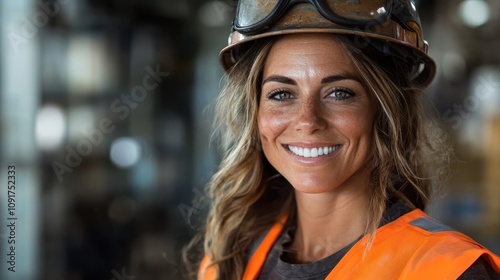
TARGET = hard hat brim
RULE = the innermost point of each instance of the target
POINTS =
(228, 60)
(305, 19)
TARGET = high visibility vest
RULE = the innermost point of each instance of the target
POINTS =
(413, 246)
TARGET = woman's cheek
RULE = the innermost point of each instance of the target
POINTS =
(272, 122)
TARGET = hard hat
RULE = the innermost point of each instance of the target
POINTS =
(392, 26)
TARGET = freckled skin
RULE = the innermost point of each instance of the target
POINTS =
(310, 114)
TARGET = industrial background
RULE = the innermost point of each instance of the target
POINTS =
(104, 114)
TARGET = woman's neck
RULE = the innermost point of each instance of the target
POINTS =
(328, 222)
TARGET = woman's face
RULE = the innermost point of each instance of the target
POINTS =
(316, 116)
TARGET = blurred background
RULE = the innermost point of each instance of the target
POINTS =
(103, 110)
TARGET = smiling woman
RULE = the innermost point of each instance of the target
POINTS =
(311, 99)
(327, 167)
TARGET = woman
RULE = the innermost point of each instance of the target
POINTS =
(327, 166)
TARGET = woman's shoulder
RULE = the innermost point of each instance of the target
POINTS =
(430, 245)
(412, 245)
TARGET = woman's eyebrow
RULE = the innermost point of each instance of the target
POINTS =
(325, 80)
(279, 79)
(335, 78)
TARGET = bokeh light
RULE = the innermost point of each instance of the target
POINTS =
(125, 152)
(474, 13)
(50, 127)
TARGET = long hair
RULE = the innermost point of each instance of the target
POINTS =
(247, 195)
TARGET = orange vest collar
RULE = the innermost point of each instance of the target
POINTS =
(401, 249)
(257, 260)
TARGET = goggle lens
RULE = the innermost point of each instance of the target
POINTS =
(252, 12)
(251, 16)
(358, 10)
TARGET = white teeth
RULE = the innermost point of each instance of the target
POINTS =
(314, 152)
(307, 153)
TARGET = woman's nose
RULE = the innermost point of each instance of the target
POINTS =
(310, 117)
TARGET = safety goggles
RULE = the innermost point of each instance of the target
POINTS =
(253, 17)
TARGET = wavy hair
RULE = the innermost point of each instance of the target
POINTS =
(247, 195)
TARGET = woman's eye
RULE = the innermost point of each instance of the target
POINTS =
(340, 94)
(281, 95)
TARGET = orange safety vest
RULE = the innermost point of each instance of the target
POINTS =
(414, 246)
